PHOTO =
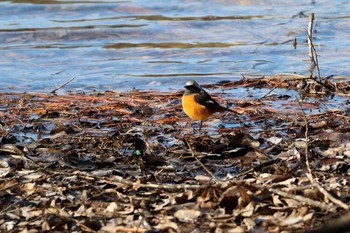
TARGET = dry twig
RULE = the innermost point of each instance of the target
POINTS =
(312, 51)
(302, 199)
(309, 174)
(195, 156)
(64, 84)
(272, 89)
(309, 43)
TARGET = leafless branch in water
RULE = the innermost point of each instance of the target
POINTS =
(64, 84)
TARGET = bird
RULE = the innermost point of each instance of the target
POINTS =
(198, 104)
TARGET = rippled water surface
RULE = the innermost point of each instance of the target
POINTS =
(161, 44)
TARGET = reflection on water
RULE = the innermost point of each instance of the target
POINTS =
(122, 44)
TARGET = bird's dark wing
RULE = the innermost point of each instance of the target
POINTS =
(205, 99)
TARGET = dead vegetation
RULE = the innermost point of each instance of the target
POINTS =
(127, 162)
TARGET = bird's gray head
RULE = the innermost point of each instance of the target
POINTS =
(192, 87)
(192, 83)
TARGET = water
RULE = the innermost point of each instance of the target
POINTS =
(161, 44)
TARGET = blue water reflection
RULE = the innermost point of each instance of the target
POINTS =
(160, 44)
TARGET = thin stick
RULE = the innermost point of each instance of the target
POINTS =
(309, 42)
(64, 84)
(309, 175)
(331, 198)
(117, 180)
(312, 51)
(129, 229)
(272, 89)
(256, 168)
(316, 61)
(301, 199)
(306, 142)
(15, 203)
(297, 76)
(195, 156)
(281, 193)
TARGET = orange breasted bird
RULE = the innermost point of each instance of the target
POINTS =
(198, 104)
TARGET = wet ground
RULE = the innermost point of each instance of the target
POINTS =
(117, 45)
(132, 162)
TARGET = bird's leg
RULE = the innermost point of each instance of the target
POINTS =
(200, 125)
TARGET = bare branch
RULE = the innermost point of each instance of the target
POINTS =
(195, 156)
(309, 174)
(64, 84)
(309, 42)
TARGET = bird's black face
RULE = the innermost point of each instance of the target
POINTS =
(192, 87)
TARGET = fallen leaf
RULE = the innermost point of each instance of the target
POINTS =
(187, 215)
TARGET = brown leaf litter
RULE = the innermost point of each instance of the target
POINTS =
(130, 162)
